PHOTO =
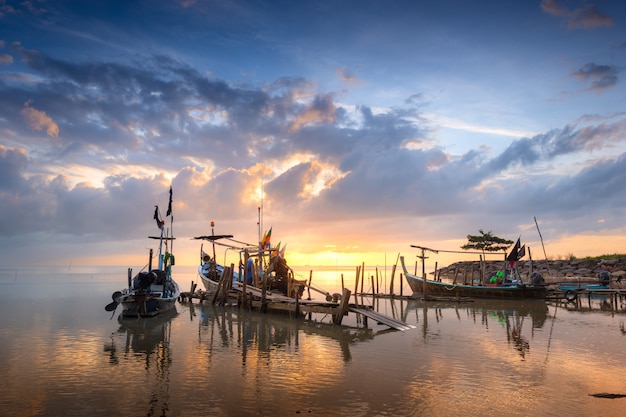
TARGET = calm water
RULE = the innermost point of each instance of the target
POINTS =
(62, 354)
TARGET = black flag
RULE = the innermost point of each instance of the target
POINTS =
(512, 257)
(521, 253)
(169, 207)
(156, 217)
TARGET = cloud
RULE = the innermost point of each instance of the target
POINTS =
(143, 124)
(559, 142)
(39, 120)
(320, 110)
(602, 77)
(586, 17)
(348, 77)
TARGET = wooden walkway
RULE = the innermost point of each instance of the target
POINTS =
(382, 319)
(272, 302)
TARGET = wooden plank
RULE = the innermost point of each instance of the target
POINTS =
(381, 318)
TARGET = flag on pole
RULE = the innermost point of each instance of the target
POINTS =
(512, 257)
(265, 243)
(169, 207)
(159, 222)
(521, 253)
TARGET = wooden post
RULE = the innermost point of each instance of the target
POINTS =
(244, 294)
(424, 290)
(343, 306)
(481, 272)
(264, 296)
(356, 282)
(377, 281)
(530, 265)
(435, 273)
(393, 273)
(297, 289)
(342, 286)
(373, 287)
(308, 289)
(362, 277)
(220, 285)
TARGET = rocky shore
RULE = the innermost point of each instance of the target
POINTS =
(552, 271)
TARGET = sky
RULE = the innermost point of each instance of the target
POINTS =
(353, 129)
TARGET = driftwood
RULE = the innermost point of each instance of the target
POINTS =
(607, 395)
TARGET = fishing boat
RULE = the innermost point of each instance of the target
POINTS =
(209, 271)
(258, 265)
(505, 290)
(571, 290)
(153, 291)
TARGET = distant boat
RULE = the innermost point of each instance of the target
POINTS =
(603, 283)
(419, 286)
(151, 292)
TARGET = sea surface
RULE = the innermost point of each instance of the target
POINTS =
(62, 354)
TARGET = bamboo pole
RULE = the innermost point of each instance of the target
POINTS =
(362, 277)
(377, 281)
(356, 282)
(542, 245)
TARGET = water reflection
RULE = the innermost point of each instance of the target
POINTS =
(587, 303)
(144, 344)
(263, 334)
(510, 314)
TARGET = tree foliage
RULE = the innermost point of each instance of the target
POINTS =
(486, 242)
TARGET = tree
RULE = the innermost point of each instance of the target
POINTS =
(486, 242)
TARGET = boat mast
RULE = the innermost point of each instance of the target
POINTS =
(160, 241)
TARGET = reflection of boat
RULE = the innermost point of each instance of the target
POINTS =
(153, 291)
(421, 286)
(536, 309)
(145, 358)
(146, 336)
(511, 314)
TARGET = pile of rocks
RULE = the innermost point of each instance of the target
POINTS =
(552, 271)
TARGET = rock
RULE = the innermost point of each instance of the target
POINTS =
(577, 268)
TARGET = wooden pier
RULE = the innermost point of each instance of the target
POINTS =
(611, 299)
(263, 301)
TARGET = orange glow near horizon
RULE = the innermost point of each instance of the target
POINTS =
(187, 253)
